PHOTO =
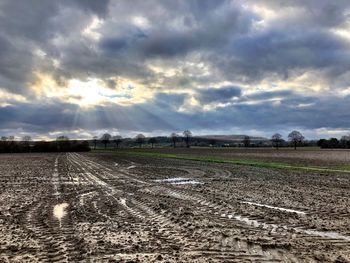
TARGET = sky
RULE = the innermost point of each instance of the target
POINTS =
(83, 67)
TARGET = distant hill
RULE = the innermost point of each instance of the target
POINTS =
(233, 138)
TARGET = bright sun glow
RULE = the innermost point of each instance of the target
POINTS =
(92, 92)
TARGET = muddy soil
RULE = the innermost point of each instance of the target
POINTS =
(110, 208)
(301, 156)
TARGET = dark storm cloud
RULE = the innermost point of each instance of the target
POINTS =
(114, 45)
(224, 37)
(99, 7)
(204, 25)
(158, 44)
(236, 43)
(26, 26)
(12, 73)
(278, 52)
(169, 44)
(222, 94)
(27, 19)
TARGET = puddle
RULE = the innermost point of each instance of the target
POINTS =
(123, 201)
(275, 227)
(59, 211)
(275, 207)
(176, 195)
(188, 182)
(178, 180)
(169, 180)
(330, 234)
(257, 224)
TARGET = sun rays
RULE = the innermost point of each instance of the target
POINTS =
(91, 92)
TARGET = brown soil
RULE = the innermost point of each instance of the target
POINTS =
(301, 156)
(110, 208)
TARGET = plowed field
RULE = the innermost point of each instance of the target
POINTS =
(103, 207)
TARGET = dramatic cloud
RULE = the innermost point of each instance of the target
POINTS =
(222, 94)
(257, 67)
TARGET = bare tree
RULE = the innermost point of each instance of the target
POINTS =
(152, 141)
(345, 141)
(140, 139)
(95, 140)
(246, 141)
(295, 137)
(212, 142)
(62, 138)
(174, 138)
(276, 140)
(63, 143)
(187, 136)
(26, 141)
(106, 139)
(345, 138)
(117, 140)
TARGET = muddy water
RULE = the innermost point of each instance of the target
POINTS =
(275, 228)
(59, 211)
(275, 207)
(329, 234)
(178, 180)
(257, 224)
(123, 201)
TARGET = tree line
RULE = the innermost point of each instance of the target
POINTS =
(26, 144)
(332, 143)
(295, 138)
(140, 139)
(185, 139)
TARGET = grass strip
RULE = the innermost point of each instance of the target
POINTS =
(260, 164)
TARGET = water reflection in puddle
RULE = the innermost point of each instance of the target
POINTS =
(59, 211)
(123, 201)
(276, 227)
(275, 207)
(178, 180)
(330, 234)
